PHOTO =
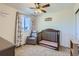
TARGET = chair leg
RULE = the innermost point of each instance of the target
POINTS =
(57, 49)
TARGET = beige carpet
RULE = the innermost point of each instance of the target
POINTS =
(36, 50)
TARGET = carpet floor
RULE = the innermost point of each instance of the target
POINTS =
(37, 50)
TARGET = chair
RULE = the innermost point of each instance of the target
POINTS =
(32, 39)
(49, 38)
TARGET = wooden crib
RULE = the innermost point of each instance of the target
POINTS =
(49, 37)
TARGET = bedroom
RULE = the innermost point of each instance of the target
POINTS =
(63, 19)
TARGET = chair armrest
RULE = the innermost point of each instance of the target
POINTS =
(39, 36)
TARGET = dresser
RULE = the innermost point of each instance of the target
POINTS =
(6, 48)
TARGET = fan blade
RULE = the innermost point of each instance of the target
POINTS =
(36, 4)
(47, 5)
(43, 11)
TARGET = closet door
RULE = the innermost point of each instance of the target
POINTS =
(77, 25)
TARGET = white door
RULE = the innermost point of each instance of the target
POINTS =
(77, 26)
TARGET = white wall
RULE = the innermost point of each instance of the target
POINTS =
(76, 7)
(63, 21)
(7, 23)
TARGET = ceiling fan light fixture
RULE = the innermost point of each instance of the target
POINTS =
(38, 11)
(39, 8)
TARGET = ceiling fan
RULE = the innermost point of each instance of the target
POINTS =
(40, 7)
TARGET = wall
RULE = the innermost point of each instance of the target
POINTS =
(76, 7)
(63, 21)
(34, 22)
(7, 23)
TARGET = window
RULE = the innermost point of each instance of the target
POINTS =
(26, 23)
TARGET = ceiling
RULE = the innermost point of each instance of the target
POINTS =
(54, 7)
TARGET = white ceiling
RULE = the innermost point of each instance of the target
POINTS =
(54, 7)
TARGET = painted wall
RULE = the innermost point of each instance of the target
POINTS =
(7, 23)
(76, 7)
(63, 21)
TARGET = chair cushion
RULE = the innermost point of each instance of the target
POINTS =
(34, 34)
(49, 43)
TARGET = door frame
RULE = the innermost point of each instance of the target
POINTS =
(15, 27)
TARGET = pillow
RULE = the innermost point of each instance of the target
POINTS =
(34, 34)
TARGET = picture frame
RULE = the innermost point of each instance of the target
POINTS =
(48, 19)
